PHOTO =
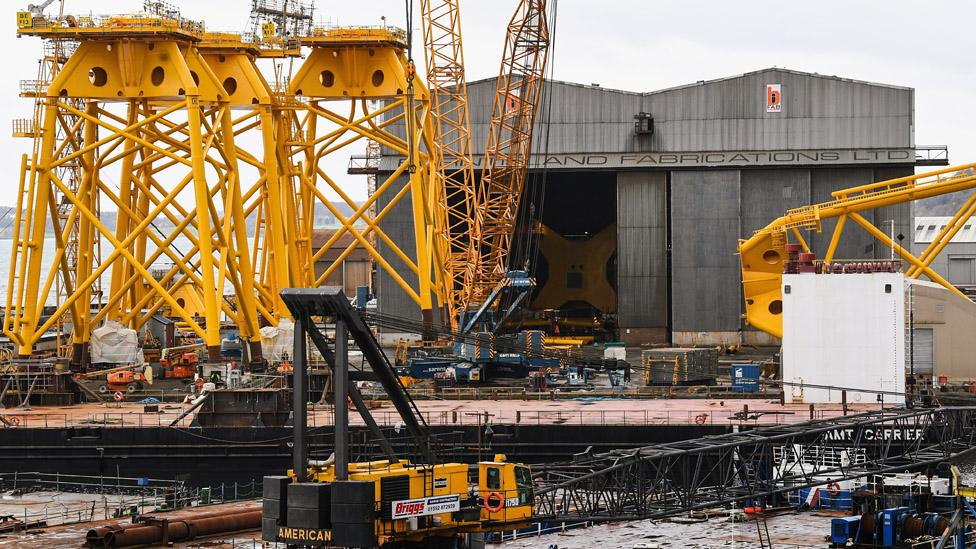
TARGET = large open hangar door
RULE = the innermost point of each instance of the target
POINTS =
(573, 255)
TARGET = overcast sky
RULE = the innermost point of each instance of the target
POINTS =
(647, 45)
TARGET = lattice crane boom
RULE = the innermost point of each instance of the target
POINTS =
(509, 143)
(441, 25)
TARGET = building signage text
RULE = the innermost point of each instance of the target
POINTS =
(717, 159)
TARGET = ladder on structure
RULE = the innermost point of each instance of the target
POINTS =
(762, 528)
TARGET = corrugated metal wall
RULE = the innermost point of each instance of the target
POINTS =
(819, 112)
(710, 209)
(855, 242)
(900, 213)
(642, 275)
(398, 225)
(582, 118)
(767, 194)
(704, 232)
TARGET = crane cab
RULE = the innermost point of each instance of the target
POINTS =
(506, 492)
(398, 502)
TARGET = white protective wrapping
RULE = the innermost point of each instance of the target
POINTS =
(278, 341)
(113, 343)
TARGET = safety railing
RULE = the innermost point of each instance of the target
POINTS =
(700, 416)
(118, 497)
(34, 481)
(60, 49)
(323, 415)
(381, 31)
(33, 87)
(564, 393)
(535, 530)
(931, 155)
(23, 127)
(25, 420)
(362, 164)
(139, 23)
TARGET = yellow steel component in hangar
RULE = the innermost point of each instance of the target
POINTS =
(762, 255)
(158, 146)
(355, 84)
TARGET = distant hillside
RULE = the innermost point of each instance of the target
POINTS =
(945, 205)
(323, 219)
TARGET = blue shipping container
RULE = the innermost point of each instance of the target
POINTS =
(745, 377)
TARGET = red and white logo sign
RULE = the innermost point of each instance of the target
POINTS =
(774, 98)
(513, 101)
(118, 396)
(426, 506)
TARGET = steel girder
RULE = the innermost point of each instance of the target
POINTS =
(668, 479)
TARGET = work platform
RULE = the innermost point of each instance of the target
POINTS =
(466, 413)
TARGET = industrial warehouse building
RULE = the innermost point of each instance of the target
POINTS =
(670, 179)
(957, 261)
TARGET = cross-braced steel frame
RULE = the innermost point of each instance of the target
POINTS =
(441, 24)
(667, 479)
(177, 129)
(763, 255)
(345, 72)
(151, 104)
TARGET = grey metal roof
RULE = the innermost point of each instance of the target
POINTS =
(715, 80)
(786, 71)
(819, 112)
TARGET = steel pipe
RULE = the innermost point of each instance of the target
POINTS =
(175, 530)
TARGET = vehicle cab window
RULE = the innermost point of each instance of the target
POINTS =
(494, 478)
(523, 482)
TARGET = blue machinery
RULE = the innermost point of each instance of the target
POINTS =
(518, 283)
(937, 520)
(475, 346)
(900, 527)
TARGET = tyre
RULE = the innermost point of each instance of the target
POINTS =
(131, 388)
(103, 388)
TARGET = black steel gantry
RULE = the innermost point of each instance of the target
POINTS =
(668, 479)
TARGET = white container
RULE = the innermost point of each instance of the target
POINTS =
(844, 331)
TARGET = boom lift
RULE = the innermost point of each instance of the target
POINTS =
(762, 256)
(381, 502)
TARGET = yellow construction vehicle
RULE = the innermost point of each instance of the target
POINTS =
(380, 501)
(420, 503)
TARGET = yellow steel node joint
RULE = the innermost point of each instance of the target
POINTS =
(762, 256)
(345, 67)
